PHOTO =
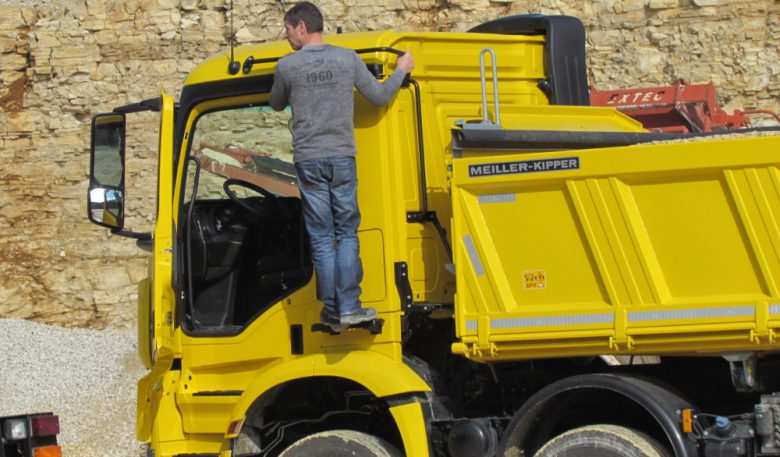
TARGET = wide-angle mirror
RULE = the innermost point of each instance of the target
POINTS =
(107, 207)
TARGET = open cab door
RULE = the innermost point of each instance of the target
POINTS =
(156, 297)
(106, 207)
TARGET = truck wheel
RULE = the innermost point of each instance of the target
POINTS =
(602, 441)
(341, 443)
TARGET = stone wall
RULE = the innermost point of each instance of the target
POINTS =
(61, 62)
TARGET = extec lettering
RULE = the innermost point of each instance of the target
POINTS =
(524, 166)
(636, 97)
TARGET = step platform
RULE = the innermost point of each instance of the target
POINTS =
(374, 326)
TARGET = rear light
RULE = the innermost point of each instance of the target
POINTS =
(15, 429)
(30, 435)
(47, 451)
(45, 425)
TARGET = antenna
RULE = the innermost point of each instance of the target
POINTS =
(233, 66)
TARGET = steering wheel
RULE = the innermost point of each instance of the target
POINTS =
(268, 209)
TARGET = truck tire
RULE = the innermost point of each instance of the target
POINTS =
(602, 441)
(341, 443)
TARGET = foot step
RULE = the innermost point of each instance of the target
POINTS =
(374, 326)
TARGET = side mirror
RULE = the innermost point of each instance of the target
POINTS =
(106, 197)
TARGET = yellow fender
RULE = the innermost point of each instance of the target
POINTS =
(380, 375)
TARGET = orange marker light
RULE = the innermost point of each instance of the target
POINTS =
(233, 428)
(47, 451)
(687, 420)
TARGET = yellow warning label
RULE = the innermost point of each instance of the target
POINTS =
(534, 279)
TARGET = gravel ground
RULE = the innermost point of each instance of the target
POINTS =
(87, 377)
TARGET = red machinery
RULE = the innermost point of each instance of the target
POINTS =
(680, 108)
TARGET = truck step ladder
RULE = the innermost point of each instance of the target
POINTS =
(374, 327)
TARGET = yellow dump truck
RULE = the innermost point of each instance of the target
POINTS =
(551, 279)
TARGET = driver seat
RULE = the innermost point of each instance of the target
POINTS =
(281, 272)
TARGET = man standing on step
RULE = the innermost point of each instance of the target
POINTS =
(317, 82)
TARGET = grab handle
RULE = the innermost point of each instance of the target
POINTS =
(494, 65)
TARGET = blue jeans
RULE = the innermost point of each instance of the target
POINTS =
(329, 194)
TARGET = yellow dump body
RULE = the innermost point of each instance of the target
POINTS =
(658, 248)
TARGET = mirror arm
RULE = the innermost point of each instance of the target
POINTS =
(150, 104)
(145, 244)
(141, 236)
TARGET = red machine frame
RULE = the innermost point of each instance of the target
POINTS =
(680, 108)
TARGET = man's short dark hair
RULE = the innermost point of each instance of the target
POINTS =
(306, 12)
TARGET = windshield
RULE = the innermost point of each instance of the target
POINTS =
(253, 144)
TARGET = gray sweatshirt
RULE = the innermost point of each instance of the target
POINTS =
(317, 83)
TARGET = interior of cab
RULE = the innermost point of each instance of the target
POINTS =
(245, 246)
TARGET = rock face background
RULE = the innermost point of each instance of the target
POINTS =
(62, 62)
